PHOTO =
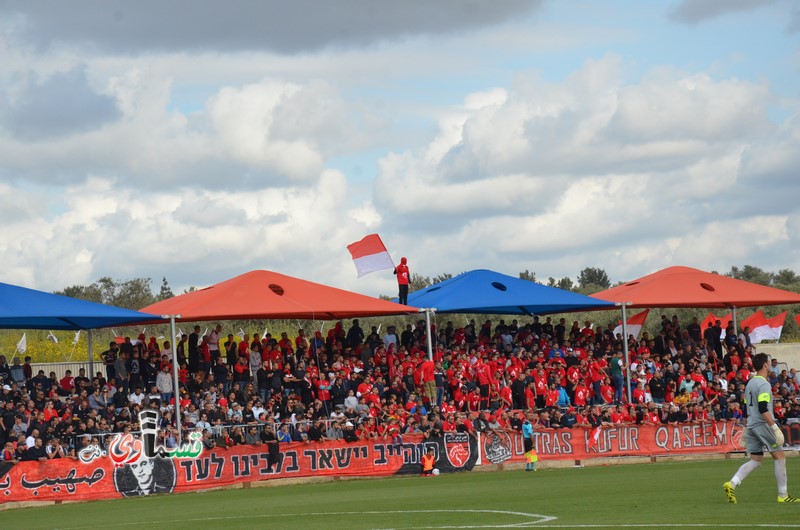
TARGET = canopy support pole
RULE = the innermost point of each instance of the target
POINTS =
(735, 324)
(428, 333)
(624, 308)
(175, 382)
(89, 341)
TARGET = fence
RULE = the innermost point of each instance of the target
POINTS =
(61, 368)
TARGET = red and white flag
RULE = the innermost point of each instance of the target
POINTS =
(759, 327)
(635, 323)
(717, 432)
(594, 437)
(776, 325)
(370, 255)
(710, 319)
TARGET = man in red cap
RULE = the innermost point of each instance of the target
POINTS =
(403, 276)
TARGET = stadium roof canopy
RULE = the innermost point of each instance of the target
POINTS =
(262, 294)
(688, 287)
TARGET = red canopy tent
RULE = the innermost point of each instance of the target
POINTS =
(270, 295)
(688, 287)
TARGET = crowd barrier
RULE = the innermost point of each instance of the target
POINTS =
(107, 476)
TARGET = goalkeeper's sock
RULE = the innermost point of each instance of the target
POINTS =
(745, 469)
(780, 477)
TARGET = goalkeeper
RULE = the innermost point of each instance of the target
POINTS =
(762, 433)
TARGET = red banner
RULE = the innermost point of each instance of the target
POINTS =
(68, 479)
(618, 440)
(101, 478)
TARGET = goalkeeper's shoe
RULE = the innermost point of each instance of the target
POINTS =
(730, 493)
(788, 498)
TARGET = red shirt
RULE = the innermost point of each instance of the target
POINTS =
(323, 394)
(551, 398)
(402, 274)
(67, 383)
(607, 393)
(581, 395)
(427, 371)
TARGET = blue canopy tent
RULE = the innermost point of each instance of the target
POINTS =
(23, 308)
(484, 291)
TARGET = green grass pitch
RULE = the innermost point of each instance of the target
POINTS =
(662, 495)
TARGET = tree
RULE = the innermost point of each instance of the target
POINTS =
(417, 282)
(166, 290)
(528, 275)
(592, 276)
(130, 294)
(83, 292)
(565, 283)
(442, 277)
(787, 279)
(133, 294)
(750, 273)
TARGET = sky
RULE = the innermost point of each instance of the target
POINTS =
(200, 140)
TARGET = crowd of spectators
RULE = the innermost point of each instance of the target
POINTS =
(354, 384)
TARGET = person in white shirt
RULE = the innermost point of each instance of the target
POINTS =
(137, 397)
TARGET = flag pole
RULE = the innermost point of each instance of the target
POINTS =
(428, 331)
(624, 306)
(91, 360)
(175, 388)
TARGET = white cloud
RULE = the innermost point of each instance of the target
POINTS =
(593, 172)
(194, 238)
(270, 132)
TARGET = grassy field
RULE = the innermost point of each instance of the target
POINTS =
(648, 496)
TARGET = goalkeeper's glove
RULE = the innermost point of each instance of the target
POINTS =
(778, 434)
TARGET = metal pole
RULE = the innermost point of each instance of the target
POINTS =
(428, 333)
(175, 367)
(625, 350)
(91, 353)
(735, 324)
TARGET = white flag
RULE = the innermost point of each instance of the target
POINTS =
(265, 333)
(241, 334)
(77, 338)
(51, 337)
(22, 345)
(161, 337)
(179, 334)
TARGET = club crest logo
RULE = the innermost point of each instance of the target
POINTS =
(497, 446)
(456, 447)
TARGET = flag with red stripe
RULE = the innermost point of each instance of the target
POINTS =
(594, 438)
(370, 255)
(635, 324)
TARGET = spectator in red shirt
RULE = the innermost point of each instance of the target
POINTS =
(403, 278)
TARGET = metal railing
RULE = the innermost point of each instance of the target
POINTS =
(61, 368)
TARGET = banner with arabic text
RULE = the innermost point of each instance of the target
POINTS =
(109, 475)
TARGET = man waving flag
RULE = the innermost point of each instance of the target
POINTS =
(370, 255)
